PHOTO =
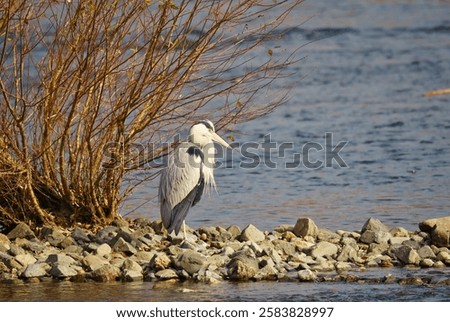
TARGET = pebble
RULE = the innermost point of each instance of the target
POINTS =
(141, 250)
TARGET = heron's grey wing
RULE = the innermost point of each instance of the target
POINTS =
(179, 185)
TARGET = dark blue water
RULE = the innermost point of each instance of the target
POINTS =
(365, 68)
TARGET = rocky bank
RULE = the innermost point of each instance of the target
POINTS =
(141, 250)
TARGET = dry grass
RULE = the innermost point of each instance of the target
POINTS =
(84, 82)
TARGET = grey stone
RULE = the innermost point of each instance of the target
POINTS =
(399, 232)
(328, 235)
(371, 236)
(103, 250)
(94, 262)
(284, 246)
(36, 270)
(25, 259)
(375, 225)
(80, 235)
(407, 255)
(191, 261)
(305, 227)
(4, 241)
(16, 250)
(242, 266)
(22, 230)
(273, 254)
(426, 252)
(397, 240)
(426, 263)
(53, 235)
(123, 246)
(166, 274)
(251, 233)
(63, 271)
(306, 275)
(324, 249)
(60, 259)
(106, 273)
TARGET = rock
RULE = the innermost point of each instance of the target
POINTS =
(160, 261)
(285, 247)
(375, 225)
(306, 275)
(341, 266)
(407, 255)
(131, 265)
(53, 235)
(397, 240)
(348, 254)
(324, 249)
(36, 270)
(191, 261)
(132, 276)
(25, 259)
(63, 271)
(251, 233)
(242, 266)
(5, 242)
(103, 250)
(80, 236)
(59, 259)
(370, 236)
(22, 230)
(399, 232)
(93, 262)
(166, 274)
(234, 230)
(426, 263)
(305, 227)
(443, 256)
(328, 235)
(426, 252)
(273, 254)
(439, 230)
(106, 273)
(123, 246)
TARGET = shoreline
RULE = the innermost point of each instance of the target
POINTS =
(141, 250)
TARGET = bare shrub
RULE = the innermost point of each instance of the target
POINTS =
(83, 82)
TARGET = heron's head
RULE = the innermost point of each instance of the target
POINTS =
(203, 133)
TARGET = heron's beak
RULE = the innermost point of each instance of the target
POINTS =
(219, 140)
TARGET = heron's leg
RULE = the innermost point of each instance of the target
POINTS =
(184, 229)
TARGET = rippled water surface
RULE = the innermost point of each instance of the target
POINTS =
(367, 65)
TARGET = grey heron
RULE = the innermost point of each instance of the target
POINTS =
(188, 173)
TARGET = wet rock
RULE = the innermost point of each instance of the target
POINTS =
(106, 273)
(374, 224)
(123, 246)
(439, 230)
(426, 252)
(251, 233)
(324, 249)
(132, 276)
(407, 255)
(370, 236)
(166, 274)
(191, 261)
(426, 263)
(306, 275)
(305, 227)
(103, 250)
(243, 266)
(36, 270)
(22, 230)
(342, 266)
(62, 271)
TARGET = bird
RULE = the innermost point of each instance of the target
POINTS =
(189, 172)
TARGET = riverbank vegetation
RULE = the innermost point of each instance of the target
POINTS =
(90, 90)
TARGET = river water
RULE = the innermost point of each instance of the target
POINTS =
(366, 66)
